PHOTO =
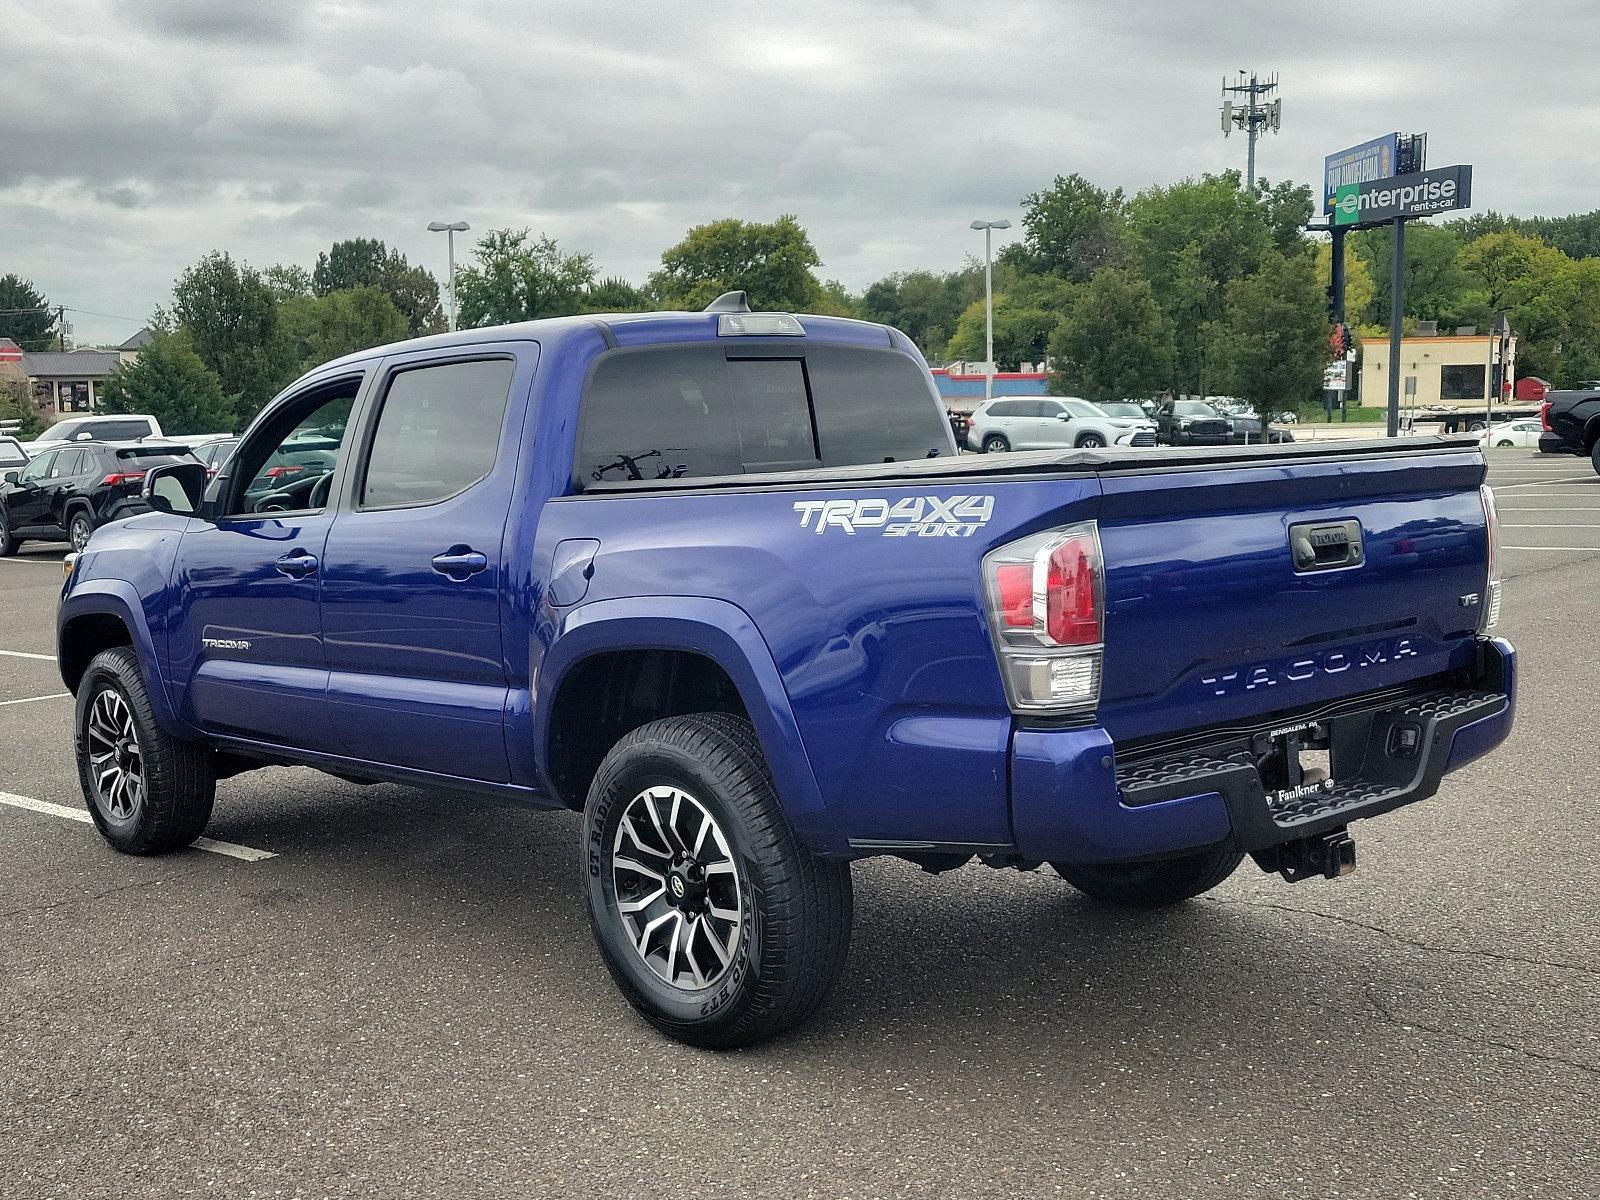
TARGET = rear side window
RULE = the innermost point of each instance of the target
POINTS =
(438, 432)
(1004, 408)
(681, 412)
(116, 431)
(143, 458)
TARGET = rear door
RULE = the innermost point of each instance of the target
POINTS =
(68, 481)
(414, 570)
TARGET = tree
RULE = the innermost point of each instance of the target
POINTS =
(230, 314)
(771, 262)
(287, 280)
(1359, 288)
(17, 405)
(923, 305)
(1074, 228)
(514, 279)
(1271, 345)
(1287, 208)
(170, 382)
(367, 262)
(1435, 288)
(321, 328)
(25, 315)
(616, 294)
(1116, 343)
(1021, 333)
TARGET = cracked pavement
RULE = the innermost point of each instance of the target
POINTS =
(405, 1002)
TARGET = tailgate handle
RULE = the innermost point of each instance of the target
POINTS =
(1325, 545)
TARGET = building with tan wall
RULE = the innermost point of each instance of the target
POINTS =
(1451, 370)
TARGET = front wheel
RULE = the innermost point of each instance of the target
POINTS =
(147, 791)
(1153, 884)
(995, 443)
(721, 928)
(1594, 457)
(8, 541)
(1091, 441)
(1505, 445)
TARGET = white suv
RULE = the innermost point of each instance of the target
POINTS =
(1053, 423)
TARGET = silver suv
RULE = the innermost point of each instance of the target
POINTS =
(1053, 423)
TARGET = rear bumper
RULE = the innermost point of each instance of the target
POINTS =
(1075, 799)
(1554, 443)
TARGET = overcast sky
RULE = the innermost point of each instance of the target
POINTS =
(135, 136)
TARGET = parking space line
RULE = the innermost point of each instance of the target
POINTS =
(230, 849)
(1548, 482)
(25, 654)
(1552, 525)
(31, 699)
(1579, 549)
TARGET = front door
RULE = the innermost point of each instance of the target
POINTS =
(28, 502)
(413, 571)
(246, 640)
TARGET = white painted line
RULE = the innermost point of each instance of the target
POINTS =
(1582, 549)
(25, 654)
(246, 853)
(31, 699)
(1549, 482)
(1545, 525)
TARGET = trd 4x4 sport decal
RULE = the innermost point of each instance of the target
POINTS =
(913, 516)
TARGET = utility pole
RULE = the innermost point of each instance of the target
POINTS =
(61, 328)
(1397, 283)
(988, 228)
(1253, 116)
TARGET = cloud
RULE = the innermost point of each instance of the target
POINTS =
(139, 134)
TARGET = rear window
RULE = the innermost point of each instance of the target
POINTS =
(152, 456)
(116, 431)
(11, 453)
(681, 412)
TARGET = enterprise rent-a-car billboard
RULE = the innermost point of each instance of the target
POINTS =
(1419, 195)
(1377, 159)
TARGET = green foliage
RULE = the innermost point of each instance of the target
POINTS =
(1576, 236)
(515, 279)
(170, 382)
(17, 405)
(230, 314)
(1287, 208)
(923, 305)
(35, 330)
(367, 262)
(1074, 228)
(1359, 288)
(1115, 344)
(1271, 345)
(772, 262)
(287, 280)
(321, 328)
(615, 294)
(1021, 333)
(1435, 288)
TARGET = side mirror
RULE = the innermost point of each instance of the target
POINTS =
(85, 436)
(13, 476)
(175, 488)
(1064, 417)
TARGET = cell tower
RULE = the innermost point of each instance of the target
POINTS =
(1254, 114)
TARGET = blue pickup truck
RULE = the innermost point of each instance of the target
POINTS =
(722, 582)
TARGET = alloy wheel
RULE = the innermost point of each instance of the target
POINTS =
(679, 895)
(80, 532)
(116, 763)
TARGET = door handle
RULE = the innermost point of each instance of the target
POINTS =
(460, 562)
(297, 564)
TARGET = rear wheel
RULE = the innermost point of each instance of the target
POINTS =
(79, 527)
(1153, 884)
(1505, 443)
(1594, 457)
(147, 791)
(996, 443)
(1091, 441)
(721, 928)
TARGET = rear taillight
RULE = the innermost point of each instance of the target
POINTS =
(121, 477)
(280, 472)
(1489, 617)
(1046, 599)
(1544, 417)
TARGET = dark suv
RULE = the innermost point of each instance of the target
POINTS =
(1192, 423)
(65, 495)
(1572, 424)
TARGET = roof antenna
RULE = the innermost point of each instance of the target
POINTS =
(729, 302)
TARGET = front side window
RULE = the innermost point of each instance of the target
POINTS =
(288, 465)
(438, 432)
(40, 467)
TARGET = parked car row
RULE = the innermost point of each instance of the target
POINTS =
(1053, 423)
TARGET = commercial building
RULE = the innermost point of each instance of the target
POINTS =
(961, 384)
(65, 383)
(1448, 370)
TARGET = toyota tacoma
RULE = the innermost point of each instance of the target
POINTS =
(721, 582)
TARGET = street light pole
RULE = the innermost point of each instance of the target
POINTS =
(450, 230)
(988, 228)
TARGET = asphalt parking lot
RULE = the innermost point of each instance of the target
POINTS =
(404, 1001)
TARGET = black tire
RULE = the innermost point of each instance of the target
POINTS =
(177, 779)
(1504, 445)
(794, 908)
(1594, 457)
(1090, 441)
(1153, 884)
(996, 443)
(80, 528)
(8, 544)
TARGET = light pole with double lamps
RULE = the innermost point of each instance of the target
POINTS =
(988, 228)
(450, 229)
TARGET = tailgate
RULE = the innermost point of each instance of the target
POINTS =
(1210, 618)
